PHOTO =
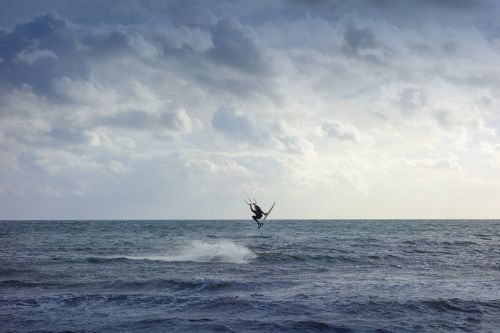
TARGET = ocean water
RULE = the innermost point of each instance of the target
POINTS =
(228, 276)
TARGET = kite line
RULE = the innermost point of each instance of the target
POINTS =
(229, 166)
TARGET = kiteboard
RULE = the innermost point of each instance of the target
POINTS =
(268, 212)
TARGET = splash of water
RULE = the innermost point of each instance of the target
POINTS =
(221, 251)
(201, 251)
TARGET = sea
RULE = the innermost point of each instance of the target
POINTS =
(230, 276)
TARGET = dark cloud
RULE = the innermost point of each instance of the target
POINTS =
(27, 161)
(362, 43)
(49, 47)
(89, 12)
(57, 137)
(37, 51)
(106, 43)
(183, 43)
(195, 15)
(133, 119)
(236, 46)
(67, 135)
(177, 120)
(358, 39)
(458, 4)
(403, 13)
(241, 87)
(388, 4)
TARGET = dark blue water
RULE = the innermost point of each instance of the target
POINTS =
(290, 276)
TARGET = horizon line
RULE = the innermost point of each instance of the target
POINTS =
(243, 219)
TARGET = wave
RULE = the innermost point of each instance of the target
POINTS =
(135, 286)
(19, 284)
(459, 305)
(180, 285)
(434, 243)
(196, 251)
(459, 243)
(326, 258)
(315, 326)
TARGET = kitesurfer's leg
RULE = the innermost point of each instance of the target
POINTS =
(257, 217)
(256, 220)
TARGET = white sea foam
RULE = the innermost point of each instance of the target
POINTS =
(201, 251)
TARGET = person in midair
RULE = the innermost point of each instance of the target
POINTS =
(258, 213)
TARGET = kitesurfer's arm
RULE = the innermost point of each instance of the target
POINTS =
(251, 207)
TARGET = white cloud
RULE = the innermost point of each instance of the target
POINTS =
(492, 151)
(336, 129)
(118, 167)
(178, 120)
(434, 164)
(30, 56)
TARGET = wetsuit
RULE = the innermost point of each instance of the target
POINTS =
(258, 214)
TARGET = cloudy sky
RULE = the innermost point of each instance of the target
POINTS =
(333, 109)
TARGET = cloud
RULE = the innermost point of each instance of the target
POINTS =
(492, 151)
(261, 132)
(39, 50)
(105, 43)
(130, 119)
(236, 46)
(237, 125)
(434, 164)
(297, 144)
(67, 135)
(34, 55)
(188, 39)
(176, 120)
(339, 130)
(342, 100)
(49, 47)
(118, 167)
(359, 39)
(28, 161)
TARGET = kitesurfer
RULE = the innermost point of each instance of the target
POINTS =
(258, 213)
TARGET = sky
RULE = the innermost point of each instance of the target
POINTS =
(333, 109)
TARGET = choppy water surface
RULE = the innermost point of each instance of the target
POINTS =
(303, 276)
